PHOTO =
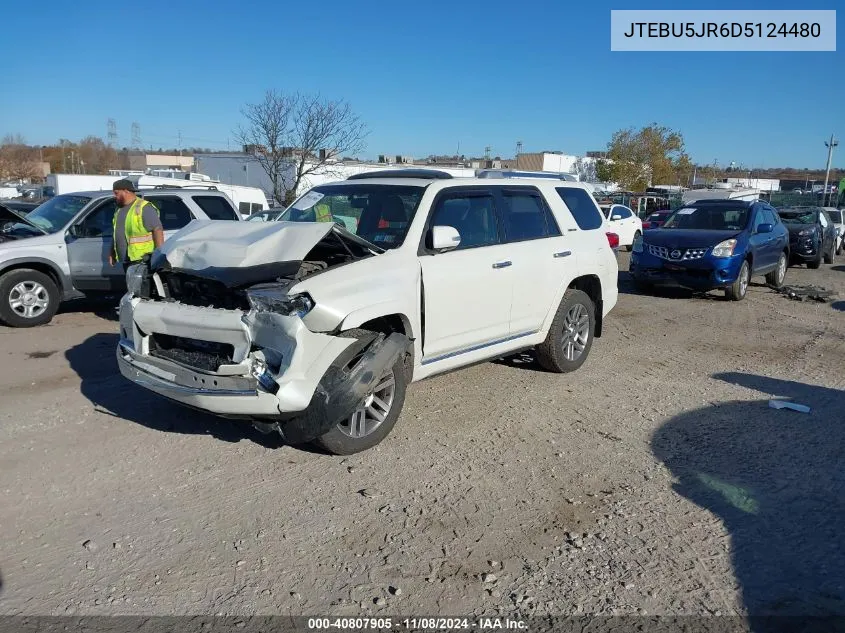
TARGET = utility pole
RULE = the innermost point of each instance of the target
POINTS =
(180, 142)
(830, 145)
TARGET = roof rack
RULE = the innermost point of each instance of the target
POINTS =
(422, 174)
(512, 173)
(203, 187)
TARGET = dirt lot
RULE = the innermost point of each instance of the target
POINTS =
(654, 480)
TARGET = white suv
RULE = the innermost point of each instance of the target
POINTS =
(315, 329)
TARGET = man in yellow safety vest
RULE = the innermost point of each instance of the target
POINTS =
(137, 226)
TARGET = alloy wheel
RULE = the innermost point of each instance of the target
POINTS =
(29, 299)
(576, 332)
(375, 409)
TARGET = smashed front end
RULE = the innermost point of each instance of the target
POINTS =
(211, 322)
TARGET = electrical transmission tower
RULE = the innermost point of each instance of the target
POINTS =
(487, 152)
(136, 136)
(518, 148)
(112, 131)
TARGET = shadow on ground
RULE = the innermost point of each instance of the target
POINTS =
(95, 363)
(102, 307)
(838, 305)
(776, 479)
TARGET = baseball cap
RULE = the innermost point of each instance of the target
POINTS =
(124, 184)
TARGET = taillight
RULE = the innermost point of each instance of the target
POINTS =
(613, 239)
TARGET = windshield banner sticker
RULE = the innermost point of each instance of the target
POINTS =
(308, 200)
(686, 211)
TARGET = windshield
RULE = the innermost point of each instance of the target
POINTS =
(380, 214)
(798, 216)
(721, 218)
(56, 213)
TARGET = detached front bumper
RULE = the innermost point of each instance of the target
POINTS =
(706, 273)
(275, 367)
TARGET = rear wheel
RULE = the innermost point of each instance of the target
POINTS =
(630, 247)
(738, 289)
(571, 334)
(776, 277)
(839, 246)
(813, 265)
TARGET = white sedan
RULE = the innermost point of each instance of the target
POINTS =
(624, 223)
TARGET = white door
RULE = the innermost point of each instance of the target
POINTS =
(543, 259)
(466, 291)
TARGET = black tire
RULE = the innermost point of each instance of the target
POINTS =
(550, 353)
(738, 289)
(339, 443)
(8, 282)
(830, 255)
(813, 265)
(774, 278)
(839, 248)
(643, 286)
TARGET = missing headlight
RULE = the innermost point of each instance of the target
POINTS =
(275, 299)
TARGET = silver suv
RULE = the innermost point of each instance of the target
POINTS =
(60, 250)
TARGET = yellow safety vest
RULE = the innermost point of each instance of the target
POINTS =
(322, 213)
(139, 241)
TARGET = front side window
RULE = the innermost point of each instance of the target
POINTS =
(380, 214)
(98, 223)
(173, 212)
(473, 216)
(715, 218)
(582, 207)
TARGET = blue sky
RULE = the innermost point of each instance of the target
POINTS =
(425, 77)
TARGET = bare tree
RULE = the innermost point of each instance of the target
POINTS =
(294, 136)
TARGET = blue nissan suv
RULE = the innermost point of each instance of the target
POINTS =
(710, 244)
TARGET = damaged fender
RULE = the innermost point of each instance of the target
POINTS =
(342, 390)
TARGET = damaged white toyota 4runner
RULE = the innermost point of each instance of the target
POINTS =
(314, 329)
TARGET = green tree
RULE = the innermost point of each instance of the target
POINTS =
(651, 155)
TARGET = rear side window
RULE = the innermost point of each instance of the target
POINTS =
(526, 217)
(173, 212)
(248, 208)
(582, 207)
(215, 207)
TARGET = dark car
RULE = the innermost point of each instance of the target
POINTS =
(656, 219)
(712, 244)
(812, 235)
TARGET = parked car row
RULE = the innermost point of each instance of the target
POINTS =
(721, 244)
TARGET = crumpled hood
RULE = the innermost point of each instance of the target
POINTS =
(687, 238)
(239, 253)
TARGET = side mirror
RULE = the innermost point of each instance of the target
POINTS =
(445, 238)
(613, 218)
(765, 228)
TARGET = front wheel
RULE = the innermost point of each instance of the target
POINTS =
(373, 420)
(28, 298)
(830, 255)
(571, 334)
(776, 277)
(816, 263)
(739, 288)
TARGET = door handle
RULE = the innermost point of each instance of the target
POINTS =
(502, 264)
(563, 254)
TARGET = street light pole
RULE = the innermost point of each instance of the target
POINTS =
(830, 145)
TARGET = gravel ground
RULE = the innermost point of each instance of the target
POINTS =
(655, 480)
